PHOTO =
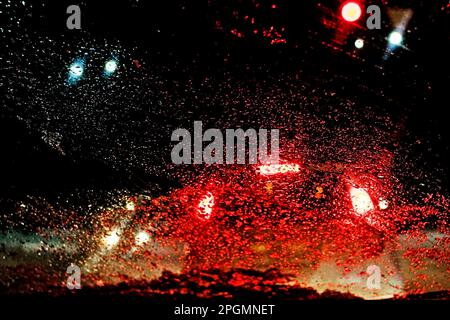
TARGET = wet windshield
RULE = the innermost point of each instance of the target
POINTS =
(282, 149)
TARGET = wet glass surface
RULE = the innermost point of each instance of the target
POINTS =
(87, 178)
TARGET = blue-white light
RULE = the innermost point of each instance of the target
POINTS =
(110, 67)
(359, 43)
(76, 69)
(395, 38)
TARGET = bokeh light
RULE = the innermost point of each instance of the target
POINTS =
(76, 71)
(130, 206)
(142, 237)
(110, 67)
(206, 205)
(351, 11)
(359, 43)
(361, 200)
(111, 239)
(395, 38)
